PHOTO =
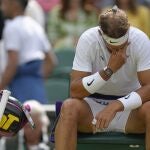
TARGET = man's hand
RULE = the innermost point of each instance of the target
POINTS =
(118, 58)
(105, 116)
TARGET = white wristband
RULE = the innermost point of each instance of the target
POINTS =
(93, 82)
(131, 101)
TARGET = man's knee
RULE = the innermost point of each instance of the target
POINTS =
(145, 111)
(70, 109)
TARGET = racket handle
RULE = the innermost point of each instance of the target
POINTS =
(26, 110)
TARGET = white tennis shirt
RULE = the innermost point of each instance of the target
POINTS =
(27, 37)
(92, 56)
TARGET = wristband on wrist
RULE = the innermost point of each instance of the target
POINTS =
(131, 101)
(93, 82)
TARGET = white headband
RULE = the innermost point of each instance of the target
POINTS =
(113, 41)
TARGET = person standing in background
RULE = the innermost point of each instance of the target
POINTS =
(2, 56)
(1, 24)
(35, 11)
(30, 58)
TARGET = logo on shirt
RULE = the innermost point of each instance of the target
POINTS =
(88, 84)
(127, 96)
(102, 57)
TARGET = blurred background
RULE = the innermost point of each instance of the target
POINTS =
(62, 22)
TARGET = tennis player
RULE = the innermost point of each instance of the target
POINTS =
(110, 82)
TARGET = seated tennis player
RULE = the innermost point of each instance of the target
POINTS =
(110, 82)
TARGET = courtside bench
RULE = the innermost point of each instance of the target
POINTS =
(104, 141)
(110, 141)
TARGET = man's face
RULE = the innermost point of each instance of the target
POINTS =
(7, 7)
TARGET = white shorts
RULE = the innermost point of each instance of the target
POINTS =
(118, 123)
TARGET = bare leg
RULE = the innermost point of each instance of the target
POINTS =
(148, 134)
(139, 122)
(75, 114)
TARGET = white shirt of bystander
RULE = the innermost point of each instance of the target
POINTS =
(27, 37)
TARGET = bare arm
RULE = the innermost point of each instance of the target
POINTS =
(10, 70)
(144, 91)
(77, 89)
(50, 62)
